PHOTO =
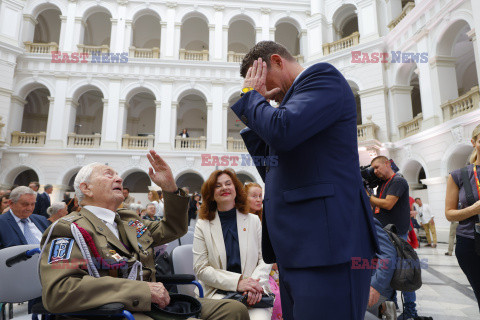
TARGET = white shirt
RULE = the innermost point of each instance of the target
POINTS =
(33, 228)
(424, 215)
(107, 216)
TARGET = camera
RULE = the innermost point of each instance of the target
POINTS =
(370, 180)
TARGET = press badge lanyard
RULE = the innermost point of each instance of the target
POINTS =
(476, 180)
(377, 208)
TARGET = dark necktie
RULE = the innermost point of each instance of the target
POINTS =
(121, 231)
(31, 239)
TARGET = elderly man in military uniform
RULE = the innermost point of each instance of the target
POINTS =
(120, 244)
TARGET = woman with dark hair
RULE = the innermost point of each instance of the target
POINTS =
(193, 207)
(4, 203)
(227, 254)
(467, 213)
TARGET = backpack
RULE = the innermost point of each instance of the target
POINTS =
(407, 276)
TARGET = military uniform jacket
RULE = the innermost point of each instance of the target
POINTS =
(66, 283)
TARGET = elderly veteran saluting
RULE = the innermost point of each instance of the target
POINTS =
(120, 245)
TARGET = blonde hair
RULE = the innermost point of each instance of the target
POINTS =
(248, 186)
(475, 133)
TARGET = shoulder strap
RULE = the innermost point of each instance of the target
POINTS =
(467, 186)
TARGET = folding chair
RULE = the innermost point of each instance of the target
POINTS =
(187, 238)
(182, 260)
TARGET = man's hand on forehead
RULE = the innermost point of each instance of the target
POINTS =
(256, 78)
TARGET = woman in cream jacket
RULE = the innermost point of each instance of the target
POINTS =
(227, 253)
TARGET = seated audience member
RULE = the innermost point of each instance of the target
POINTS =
(116, 238)
(161, 205)
(128, 198)
(150, 213)
(43, 201)
(227, 254)
(4, 203)
(380, 290)
(154, 198)
(34, 185)
(57, 211)
(19, 226)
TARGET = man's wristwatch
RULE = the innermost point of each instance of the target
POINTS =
(178, 192)
(245, 90)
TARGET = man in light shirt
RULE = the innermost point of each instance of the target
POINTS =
(19, 226)
(425, 217)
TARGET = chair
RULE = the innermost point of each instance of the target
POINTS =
(182, 260)
(172, 245)
(187, 238)
(191, 228)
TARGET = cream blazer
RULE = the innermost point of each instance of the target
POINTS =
(210, 257)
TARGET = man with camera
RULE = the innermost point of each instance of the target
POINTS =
(391, 206)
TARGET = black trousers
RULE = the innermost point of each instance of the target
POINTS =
(469, 261)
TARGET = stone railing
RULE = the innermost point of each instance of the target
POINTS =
(194, 55)
(91, 49)
(235, 57)
(153, 53)
(84, 140)
(40, 47)
(347, 42)
(463, 104)
(137, 142)
(408, 7)
(411, 127)
(190, 143)
(28, 139)
(235, 145)
(366, 131)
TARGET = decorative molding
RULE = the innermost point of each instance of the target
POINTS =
(218, 7)
(190, 161)
(265, 10)
(79, 159)
(408, 151)
(19, 100)
(22, 158)
(171, 4)
(30, 18)
(372, 91)
(135, 161)
(458, 134)
(401, 89)
(442, 61)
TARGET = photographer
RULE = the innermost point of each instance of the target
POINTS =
(391, 206)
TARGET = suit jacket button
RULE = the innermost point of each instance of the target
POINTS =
(244, 119)
(135, 303)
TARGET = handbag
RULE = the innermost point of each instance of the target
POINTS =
(471, 200)
(181, 307)
(266, 302)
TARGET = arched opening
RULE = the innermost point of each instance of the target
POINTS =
(192, 181)
(244, 178)
(241, 37)
(35, 114)
(413, 172)
(194, 38)
(415, 94)
(288, 35)
(345, 22)
(192, 116)
(25, 177)
(89, 114)
(456, 70)
(141, 115)
(137, 182)
(146, 35)
(459, 158)
(47, 29)
(98, 28)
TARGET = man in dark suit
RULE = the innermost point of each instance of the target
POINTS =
(316, 209)
(19, 226)
(43, 201)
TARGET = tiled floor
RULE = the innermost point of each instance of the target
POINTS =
(445, 294)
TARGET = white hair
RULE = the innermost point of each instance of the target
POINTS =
(83, 176)
(135, 206)
(54, 208)
(20, 191)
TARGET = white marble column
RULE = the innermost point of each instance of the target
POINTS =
(5, 101)
(317, 36)
(29, 23)
(163, 39)
(176, 43)
(71, 115)
(121, 29)
(57, 115)
(113, 35)
(122, 119)
(368, 20)
(402, 106)
(394, 8)
(210, 126)
(225, 43)
(127, 41)
(303, 44)
(258, 34)
(444, 79)
(219, 54)
(78, 37)
(265, 24)
(215, 122)
(173, 123)
(111, 116)
(211, 42)
(473, 37)
(16, 115)
(225, 125)
(272, 34)
(63, 35)
(166, 117)
(172, 38)
(68, 43)
(373, 103)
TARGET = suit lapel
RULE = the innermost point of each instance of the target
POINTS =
(38, 223)
(243, 231)
(218, 241)
(16, 228)
(101, 228)
(131, 236)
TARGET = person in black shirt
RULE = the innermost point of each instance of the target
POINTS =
(391, 206)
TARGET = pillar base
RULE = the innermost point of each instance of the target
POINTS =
(109, 145)
(163, 146)
(430, 122)
(54, 143)
(216, 147)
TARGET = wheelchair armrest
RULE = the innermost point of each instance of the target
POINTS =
(105, 310)
(176, 279)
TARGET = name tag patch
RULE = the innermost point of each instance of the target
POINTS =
(60, 249)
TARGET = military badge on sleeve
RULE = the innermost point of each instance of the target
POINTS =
(60, 250)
